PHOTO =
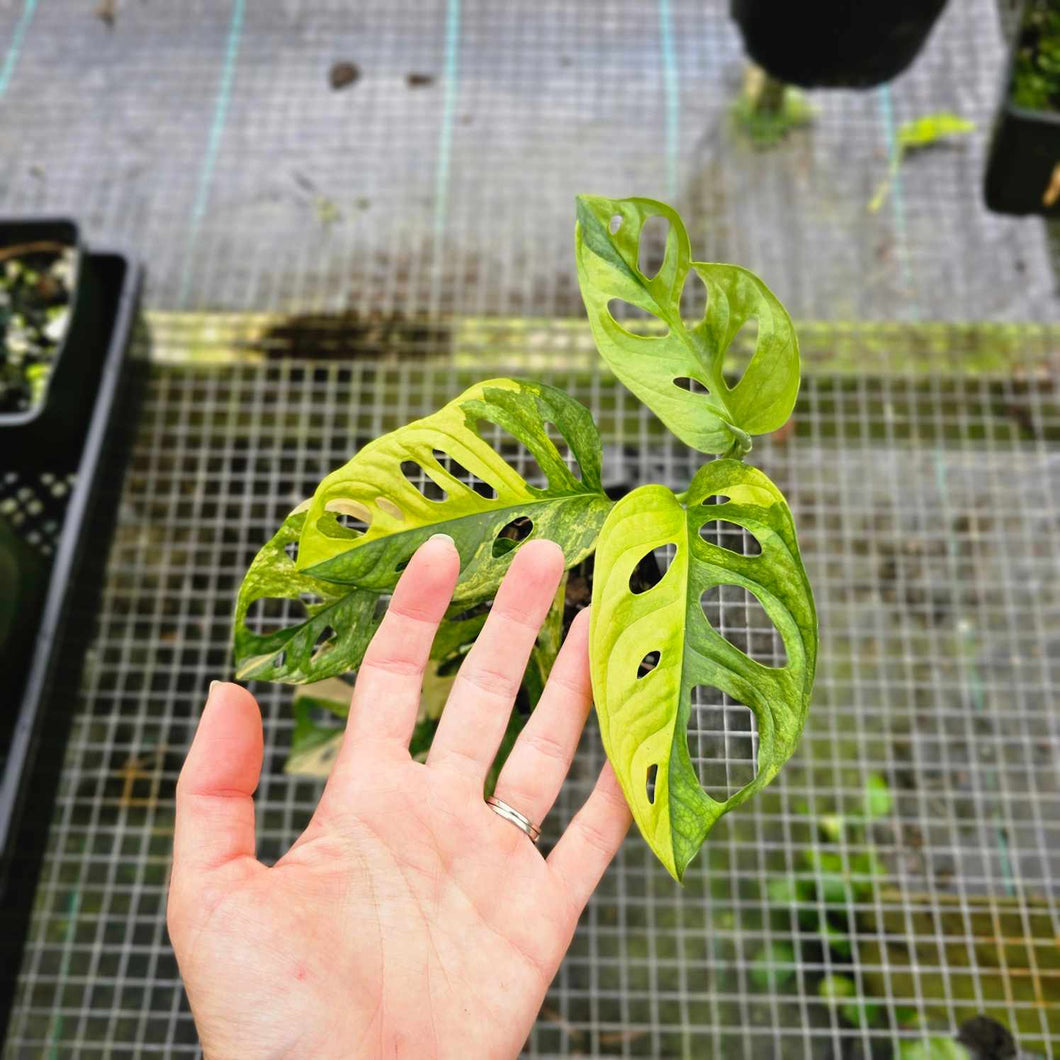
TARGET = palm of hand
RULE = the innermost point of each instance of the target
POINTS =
(409, 918)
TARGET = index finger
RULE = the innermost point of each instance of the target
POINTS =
(386, 697)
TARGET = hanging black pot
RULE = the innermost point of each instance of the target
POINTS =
(1023, 173)
(835, 43)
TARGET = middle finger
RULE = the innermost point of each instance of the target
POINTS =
(535, 770)
(480, 703)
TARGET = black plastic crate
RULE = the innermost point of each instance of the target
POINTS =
(49, 494)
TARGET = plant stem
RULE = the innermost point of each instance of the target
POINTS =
(765, 93)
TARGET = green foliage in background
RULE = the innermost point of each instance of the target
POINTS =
(766, 127)
(839, 874)
(1036, 77)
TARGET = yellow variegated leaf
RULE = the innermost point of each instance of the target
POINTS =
(644, 716)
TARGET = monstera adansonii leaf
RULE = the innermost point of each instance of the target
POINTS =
(669, 372)
(321, 628)
(326, 603)
(644, 716)
(479, 493)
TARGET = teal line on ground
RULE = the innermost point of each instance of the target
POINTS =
(14, 49)
(213, 144)
(445, 136)
(898, 199)
(673, 99)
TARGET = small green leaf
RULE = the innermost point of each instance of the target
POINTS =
(479, 493)
(907, 1016)
(831, 826)
(787, 891)
(878, 800)
(841, 991)
(327, 627)
(832, 883)
(773, 966)
(836, 987)
(643, 719)
(914, 135)
(932, 128)
(658, 367)
(836, 939)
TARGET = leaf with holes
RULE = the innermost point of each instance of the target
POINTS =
(679, 374)
(322, 629)
(468, 490)
(644, 711)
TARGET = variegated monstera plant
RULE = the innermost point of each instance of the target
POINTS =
(340, 553)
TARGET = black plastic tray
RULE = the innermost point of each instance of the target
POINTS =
(35, 741)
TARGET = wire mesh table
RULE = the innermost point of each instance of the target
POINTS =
(326, 264)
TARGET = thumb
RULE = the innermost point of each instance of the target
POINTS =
(215, 808)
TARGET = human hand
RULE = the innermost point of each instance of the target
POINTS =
(409, 919)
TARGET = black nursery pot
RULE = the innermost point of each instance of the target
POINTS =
(35, 438)
(1024, 155)
(835, 43)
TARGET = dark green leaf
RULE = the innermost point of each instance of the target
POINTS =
(322, 629)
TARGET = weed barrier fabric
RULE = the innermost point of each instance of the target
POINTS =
(441, 179)
(325, 264)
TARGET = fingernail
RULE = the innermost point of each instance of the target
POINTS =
(442, 537)
(213, 685)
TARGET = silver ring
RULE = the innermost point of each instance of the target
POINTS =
(509, 813)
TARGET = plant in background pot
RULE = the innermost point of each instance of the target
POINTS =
(39, 272)
(35, 284)
(51, 313)
(328, 571)
(1023, 172)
